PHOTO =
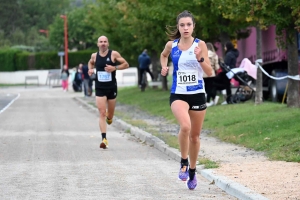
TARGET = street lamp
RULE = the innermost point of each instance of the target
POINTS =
(44, 31)
(66, 39)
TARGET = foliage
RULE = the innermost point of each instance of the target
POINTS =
(80, 56)
(21, 20)
(7, 59)
(80, 31)
(15, 59)
(22, 61)
(46, 60)
(141, 24)
(11, 16)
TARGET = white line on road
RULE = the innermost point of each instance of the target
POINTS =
(2, 110)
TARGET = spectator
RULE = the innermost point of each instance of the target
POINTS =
(65, 78)
(231, 54)
(77, 82)
(86, 80)
(210, 88)
(144, 63)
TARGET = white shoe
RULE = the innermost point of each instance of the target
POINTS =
(211, 103)
(223, 92)
(216, 100)
(224, 103)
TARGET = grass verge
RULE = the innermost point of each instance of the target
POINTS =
(272, 128)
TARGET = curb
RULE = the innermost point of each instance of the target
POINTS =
(230, 187)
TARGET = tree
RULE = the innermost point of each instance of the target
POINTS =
(80, 31)
(11, 16)
(41, 13)
(285, 15)
(23, 16)
(141, 24)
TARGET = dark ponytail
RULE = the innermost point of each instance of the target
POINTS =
(172, 31)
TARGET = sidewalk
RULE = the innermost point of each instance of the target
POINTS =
(228, 185)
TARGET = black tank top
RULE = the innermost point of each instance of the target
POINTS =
(104, 79)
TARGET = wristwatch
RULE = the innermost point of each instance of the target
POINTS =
(201, 60)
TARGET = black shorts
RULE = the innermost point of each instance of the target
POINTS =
(195, 101)
(109, 93)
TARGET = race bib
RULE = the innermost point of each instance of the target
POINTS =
(103, 76)
(186, 78)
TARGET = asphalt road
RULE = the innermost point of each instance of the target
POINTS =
(49, 149)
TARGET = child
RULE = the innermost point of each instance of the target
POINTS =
(65, 78)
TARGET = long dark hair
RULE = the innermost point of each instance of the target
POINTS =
(172, 31)
(229, 46)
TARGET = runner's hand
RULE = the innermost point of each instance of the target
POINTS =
(110, 68)
(198, 52)
(164, 71)
(91, 71)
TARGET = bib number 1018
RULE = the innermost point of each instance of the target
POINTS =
(187, 78)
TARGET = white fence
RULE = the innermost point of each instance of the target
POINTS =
(19, 77)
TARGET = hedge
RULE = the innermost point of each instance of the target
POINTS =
(15, 60)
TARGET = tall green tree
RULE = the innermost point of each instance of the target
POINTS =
(23, 16)
(236, 9)
(80, 31)
(11, 16)
(285, 15)
(41, 13)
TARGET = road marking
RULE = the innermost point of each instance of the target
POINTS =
(2, 110)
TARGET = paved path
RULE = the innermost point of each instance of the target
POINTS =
(49, 149)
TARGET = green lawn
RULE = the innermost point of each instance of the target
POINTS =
(11, 85)
(270, 127)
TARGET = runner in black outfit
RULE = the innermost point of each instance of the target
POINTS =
(106, 62)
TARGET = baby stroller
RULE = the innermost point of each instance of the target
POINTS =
(244, 91)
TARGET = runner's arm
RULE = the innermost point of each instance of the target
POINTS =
(206, 66)
(91, 64)
(164, 58)
(123, 64)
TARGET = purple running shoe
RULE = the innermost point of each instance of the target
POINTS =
(183, 173)
(192, 184)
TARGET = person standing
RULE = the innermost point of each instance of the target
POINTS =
(77, 81)
(106, 62)
(144, 63)
(210, 88)
(65, 78)
(187, 99)
(86, 80)
(231, 55)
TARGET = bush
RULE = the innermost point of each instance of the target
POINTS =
(23, 61)
(79, 56)
(8, 59)
(47, 60)
(14, 60)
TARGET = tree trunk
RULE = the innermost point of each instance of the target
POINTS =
(155, 64)
(259, 82)
(139, 76)
(164, 83)
(224, 37)
(293, 69)
(155, 59)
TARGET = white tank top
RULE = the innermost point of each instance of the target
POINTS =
(188, 73)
